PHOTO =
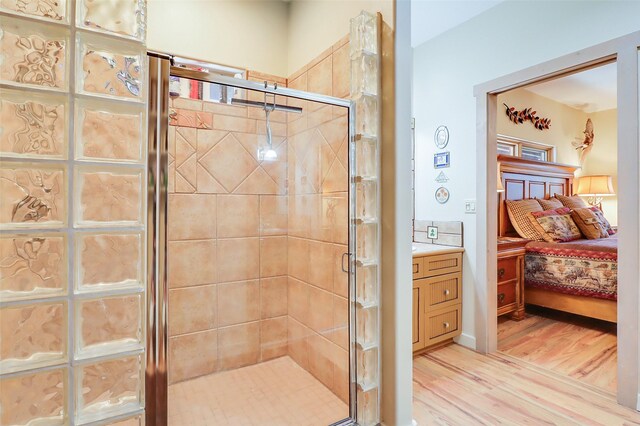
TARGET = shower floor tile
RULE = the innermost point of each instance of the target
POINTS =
(274, 393)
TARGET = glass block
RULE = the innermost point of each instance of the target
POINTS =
(109, 261)
(364, 33)
(50, 10)
(364, 74)
(34, 399)
(122, 17)
(367, 326)
(367, 368)
(33, 336)
(109, 131)
(367, 242)
(32, 196)
(33, 55)
(32, 266)
(367, 116)
(110, 69)
(367, 407)
(366, 284)
(108, 325)
(367, 157)
(108, 388)
(108, 197)
(366, 200)
(33, 125)
(131, 421)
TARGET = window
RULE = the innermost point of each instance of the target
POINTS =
(530, 150)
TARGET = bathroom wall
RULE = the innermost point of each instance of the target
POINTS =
(227, 238)
(72, 148)
(318, 337)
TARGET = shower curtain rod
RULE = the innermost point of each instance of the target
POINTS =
(258, 104)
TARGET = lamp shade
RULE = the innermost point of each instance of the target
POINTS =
(500, 186)
(598, 185)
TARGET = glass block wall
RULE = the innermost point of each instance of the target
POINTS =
(365, 82)
(72, 194)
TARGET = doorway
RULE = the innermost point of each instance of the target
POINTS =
(625, 52)
(251, 319)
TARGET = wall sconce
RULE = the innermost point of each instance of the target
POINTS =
(595, 187)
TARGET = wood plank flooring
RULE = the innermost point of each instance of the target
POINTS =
(582, 348)
(456, 386)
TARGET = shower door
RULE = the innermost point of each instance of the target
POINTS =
(251, 297)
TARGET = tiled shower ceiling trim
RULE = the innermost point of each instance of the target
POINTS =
(72, 173)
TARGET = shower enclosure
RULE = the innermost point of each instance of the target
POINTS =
(252, 319)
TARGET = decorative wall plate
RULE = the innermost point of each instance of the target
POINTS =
(441, 137)
(442, 178)
(441, 160)
(442, 195)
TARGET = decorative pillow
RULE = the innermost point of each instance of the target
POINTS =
(603, 220)
(589, 223)
(550, 204)
(555, 225)
(573, 202)
(519, 215)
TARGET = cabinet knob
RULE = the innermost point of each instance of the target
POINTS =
(416, 268)
(446, 324)
(501, 297)
(447, 292)
(501, 272)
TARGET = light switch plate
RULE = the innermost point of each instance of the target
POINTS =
(470, 206)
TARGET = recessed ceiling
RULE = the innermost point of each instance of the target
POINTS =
(588, 91)
(430, 18)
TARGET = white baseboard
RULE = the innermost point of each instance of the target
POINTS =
(468, 341)
(638, 403)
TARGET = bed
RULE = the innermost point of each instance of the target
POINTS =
(579, 277)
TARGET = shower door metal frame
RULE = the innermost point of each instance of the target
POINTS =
(161, 68)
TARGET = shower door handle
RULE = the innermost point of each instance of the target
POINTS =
(347, 255)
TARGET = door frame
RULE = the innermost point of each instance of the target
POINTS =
(625, 51)
(161, 67)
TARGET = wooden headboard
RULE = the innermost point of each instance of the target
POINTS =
(524, 178)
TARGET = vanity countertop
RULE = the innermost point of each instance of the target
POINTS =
(422, 249)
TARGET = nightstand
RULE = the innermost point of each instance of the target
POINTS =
(511, 276)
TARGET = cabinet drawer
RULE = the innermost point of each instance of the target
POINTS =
(418, 268)
(442, 291)
(443, 324)
(506, 294)
(442, 264)
(507, 269)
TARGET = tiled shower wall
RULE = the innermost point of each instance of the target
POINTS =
(72, 188)
(318, 337)
(227, 238)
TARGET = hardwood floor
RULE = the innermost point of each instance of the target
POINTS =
(456, 386)
(582, 348)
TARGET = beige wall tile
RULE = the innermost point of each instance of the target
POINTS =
(238, 345)
(192, 217)
(340, 360)
(298, 300)
(273, 338)
(320, 359)
(320, 315)
(225, 109)
(340, 233)
(273, 256)
(192, 309)
(300, 215)
(320, 77)
(238, 302)
(186, 103)
(273, 214)
(273, 297)
(238, 259)
(228, 162)
(238, 216)
(192, 263)
(341, 72)
(336, 179)
(192, 355)
(321, 264)
(298, 257)
(234, 124)
(258, 182)
(297, 342)
(340, 331)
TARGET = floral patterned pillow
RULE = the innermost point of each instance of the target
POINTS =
(603, 220)
(556, 225)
